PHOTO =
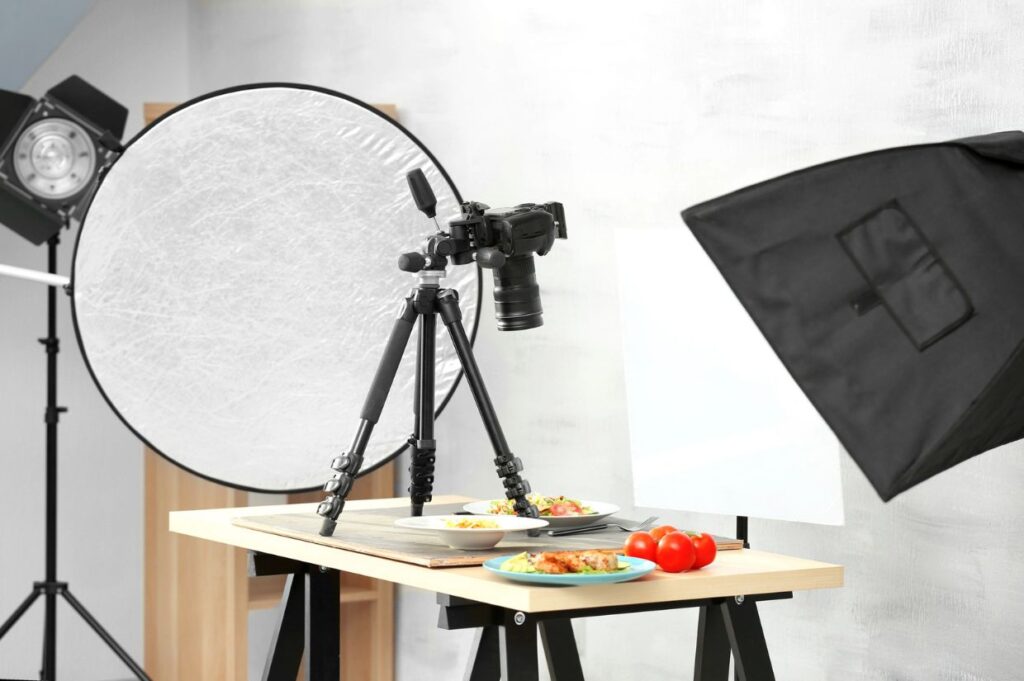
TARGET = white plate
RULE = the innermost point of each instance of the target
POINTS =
(601, 511)
(470, 538)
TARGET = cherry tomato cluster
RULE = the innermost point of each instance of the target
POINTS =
(672, 550)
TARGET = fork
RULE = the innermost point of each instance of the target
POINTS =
(603, 526)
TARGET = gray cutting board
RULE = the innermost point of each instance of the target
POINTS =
(374, 533)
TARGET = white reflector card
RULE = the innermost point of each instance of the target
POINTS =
(716, 423)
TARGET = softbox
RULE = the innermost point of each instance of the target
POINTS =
(889, 284)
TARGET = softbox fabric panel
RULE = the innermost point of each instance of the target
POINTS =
(889, 285)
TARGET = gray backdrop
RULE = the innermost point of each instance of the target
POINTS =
(626, 113)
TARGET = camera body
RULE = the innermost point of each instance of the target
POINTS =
(503, 240)
(514, 232)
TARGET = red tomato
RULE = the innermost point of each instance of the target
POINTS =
(676, 552)
(661, 530)
(704, 547)
(562, 509)
(641, 545)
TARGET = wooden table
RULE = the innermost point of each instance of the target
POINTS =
(509, 615)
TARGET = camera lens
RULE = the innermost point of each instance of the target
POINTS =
(516, 295)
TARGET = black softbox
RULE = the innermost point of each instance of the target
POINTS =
(891, 285)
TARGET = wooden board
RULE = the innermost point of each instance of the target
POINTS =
(374, 533)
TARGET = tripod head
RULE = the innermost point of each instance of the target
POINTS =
(500, 239)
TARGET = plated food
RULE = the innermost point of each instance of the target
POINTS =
(560, 511)
(547, 506)
(470, 532)
(471, 523)
(563, 562)
(569, 568)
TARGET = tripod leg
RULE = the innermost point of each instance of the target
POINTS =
(16, 615)
(424, 446)
(508, 465)
(346, 466)
(107, 638)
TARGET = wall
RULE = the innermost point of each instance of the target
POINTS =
(627, 114)
(41, 25)
(134, 50)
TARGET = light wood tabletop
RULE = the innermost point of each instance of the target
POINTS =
(733, 573)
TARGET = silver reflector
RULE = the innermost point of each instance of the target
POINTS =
(236, 278)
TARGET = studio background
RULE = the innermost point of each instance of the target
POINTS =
(626, 114)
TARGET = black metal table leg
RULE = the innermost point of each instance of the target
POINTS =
(712, 659)
(485, 660)
(728, 627)
(323, 624)
(746, 637)
(517, 646)
(285, 654)
(560, 650)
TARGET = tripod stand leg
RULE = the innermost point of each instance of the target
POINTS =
(16, 615)
(508, 465)
(424, 447)
(347, 466)
(107, 638)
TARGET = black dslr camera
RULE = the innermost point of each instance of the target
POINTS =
(500, 239)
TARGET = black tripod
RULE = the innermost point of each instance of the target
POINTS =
(50, 588)
(426, 302)
(504, 240)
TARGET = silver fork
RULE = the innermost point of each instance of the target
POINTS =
(603, 526)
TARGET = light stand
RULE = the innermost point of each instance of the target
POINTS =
(50, 588)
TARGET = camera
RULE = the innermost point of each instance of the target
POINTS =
(505, 241)
(500, 239)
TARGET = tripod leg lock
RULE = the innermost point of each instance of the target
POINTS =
(424, 456)
(508, 467)
(340, 484)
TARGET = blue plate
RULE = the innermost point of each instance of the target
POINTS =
(638, 567)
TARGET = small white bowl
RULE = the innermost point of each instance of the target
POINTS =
(470, 538)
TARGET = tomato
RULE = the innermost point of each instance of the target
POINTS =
(705, 549)
(641, 545)
(562, 509)
(676, 552)
(661, 530)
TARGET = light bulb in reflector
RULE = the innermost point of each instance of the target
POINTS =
(54, 158)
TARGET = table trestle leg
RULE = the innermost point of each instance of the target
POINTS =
(310, 620)
(285, 655)
(485, 660)
(517, 647)
(560, 650)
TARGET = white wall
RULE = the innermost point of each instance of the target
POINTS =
(627, 113)
(134, 50)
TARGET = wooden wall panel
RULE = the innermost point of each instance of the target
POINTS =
(196, 592)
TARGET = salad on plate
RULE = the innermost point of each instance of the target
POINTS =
(548, 506)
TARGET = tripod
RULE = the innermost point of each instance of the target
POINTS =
(50, 588)
(427, 302)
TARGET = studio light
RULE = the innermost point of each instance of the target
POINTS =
(887, 283)
(51, 154)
